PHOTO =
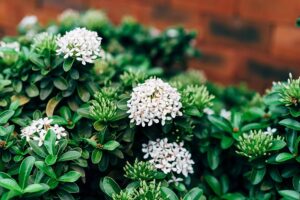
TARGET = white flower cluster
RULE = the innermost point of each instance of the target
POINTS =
(169, 157)
(153, 101)
(38, 128)
(80, 43)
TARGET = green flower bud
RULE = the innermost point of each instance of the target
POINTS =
(123, 195)
(131, 78)
(44, 43)
(191, 77)
(148, 191)
(256, 144)
(140, 171)
(195, 95)
(102, 108)
(290, 92)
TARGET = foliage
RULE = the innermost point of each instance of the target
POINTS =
(215, 142)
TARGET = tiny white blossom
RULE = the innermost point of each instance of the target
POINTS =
(175, 180)
(28, 22)
(169, 157)
(80, 43)
(172, 33)
(208, 111)
(154, 101)
(37, 130)
(270, 131)
(225, 114)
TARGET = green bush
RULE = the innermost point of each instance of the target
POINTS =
(93, 110)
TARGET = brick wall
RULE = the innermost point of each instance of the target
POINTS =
(242, 40)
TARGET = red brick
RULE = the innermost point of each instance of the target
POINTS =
(218, 7)
(219, 63)
(260, 70)
(286, 43)
(11, 12)
(117, 9)
(279, 11)
(238, 32)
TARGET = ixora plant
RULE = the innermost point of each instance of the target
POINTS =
(93, 110)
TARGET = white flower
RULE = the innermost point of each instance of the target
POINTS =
(37, 130)
(175, 180)
(80, 43)
(68, 15)
(11, 45)
(153, 101)
(208, 111)
(225, 114)
(169, 157)
(270, 131)
(172, 33)
(28, 22)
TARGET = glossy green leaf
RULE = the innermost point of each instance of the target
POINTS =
(25, 170)
(109, 186)
(70, 177)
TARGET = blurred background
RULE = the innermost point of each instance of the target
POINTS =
(251, 41)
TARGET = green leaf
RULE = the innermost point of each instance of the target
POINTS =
(83, 94)
(25, 170)
(96, 156)
(51, 159)
(214, 184)
(109, 186)
(34, 58)
(194, 194)
(168, 194)
(49, 142)
(69, 155)
(257, 175)
(34, 188)
(36, 149)
(111, 145)
(282, 157)
(290, 123)
(45, 169)
(59, 120)
(32, 91)
(213, 158)
(64, 195)
(65, 112)
(70, 177)
(10, 184)
(252, 126)
(68, 63)
(70, 187)
(226, 142)
(60, 83)
(290, 194)
(220, 123)
(5, 116)
(277, 145)
(233, 196)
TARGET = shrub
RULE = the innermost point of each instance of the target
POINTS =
(93, 110)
